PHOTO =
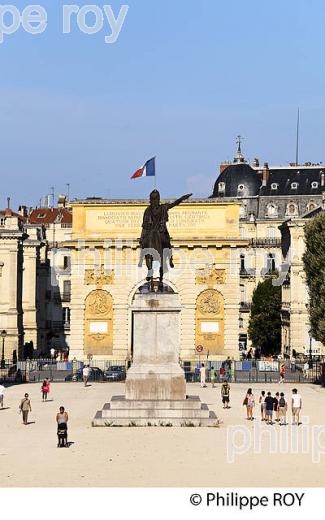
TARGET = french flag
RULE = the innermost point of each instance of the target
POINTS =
(147, 170)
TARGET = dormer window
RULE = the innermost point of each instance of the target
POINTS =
(41, 215)
(241, 190)
(314, 185)
(274, 186)
(222, 186)
(294, 185)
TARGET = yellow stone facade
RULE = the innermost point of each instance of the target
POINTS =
(105, 277)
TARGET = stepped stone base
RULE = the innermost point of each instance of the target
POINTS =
(123, 412)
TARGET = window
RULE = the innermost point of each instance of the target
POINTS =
(66, 290)
(274, 186)
(271, 232)
(314, 185)
(242, 262)
(242, 232)
(271, 267)
(66, 315)
(243, 294)
(66, 262)
(294, 185)
(241, 323)
(2, 221)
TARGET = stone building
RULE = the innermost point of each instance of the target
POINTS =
(295, 319)
(20, 251)
(268, 196)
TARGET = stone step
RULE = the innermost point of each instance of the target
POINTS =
(153, 413)
(210, 421)
(120, 402)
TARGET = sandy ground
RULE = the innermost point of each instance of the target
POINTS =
(164, 457)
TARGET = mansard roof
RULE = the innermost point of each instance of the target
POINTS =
(279, 181)
(293, 181)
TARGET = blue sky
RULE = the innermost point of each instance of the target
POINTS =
(183, 79)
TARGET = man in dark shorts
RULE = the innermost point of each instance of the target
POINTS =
(225, 391)
(269, 407)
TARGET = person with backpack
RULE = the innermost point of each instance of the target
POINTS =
(276, 406)
(282, 410)
(225, 391)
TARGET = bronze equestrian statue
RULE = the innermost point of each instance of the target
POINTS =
(155, 236)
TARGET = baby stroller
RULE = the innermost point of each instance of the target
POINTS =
(62, 435)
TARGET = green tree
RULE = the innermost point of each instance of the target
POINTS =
(314, 265)
(264, 329)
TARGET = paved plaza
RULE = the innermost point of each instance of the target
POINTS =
(151, 456)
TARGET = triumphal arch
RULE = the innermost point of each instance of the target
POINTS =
(106, 278)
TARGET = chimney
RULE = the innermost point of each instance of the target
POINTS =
(223, 166)
(256, 163)
(322, 178)
(62, 201)
(265, 174)
(8, 202)
(23, 211)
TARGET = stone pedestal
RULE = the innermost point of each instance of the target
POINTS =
(155, 385)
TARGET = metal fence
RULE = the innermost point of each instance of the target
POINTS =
(248, 371)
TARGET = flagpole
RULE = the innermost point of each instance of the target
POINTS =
(155, 173)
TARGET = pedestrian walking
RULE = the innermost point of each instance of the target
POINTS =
(2, 390)
(296, 405)
(202, 376)
(306, 370)
(282, 373)
(213, 376)
(249, 402)
(45, 389)
(282, 410)
(225, 394)
(269, 408)
(262, 403)
(86, 374)
(25, 407)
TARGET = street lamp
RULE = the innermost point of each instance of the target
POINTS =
(3, 335)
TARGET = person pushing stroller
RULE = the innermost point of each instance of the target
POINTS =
(62, 422)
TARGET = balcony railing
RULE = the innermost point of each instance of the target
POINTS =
(266, 242)
(66, 296)
(245, 306)
(247, 273)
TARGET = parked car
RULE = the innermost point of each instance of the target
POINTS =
(96, 374)
(115, 373)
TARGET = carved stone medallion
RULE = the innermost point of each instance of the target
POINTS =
(99, 302)
(209, 302)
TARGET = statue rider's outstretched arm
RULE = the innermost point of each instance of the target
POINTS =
(179, 201)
